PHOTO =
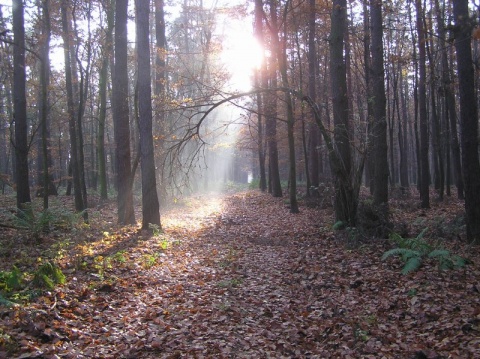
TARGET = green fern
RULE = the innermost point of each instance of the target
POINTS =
(411, 265)
(36, 224)
(339, 225)
(414, 250)
(405, 253)
(436, 253)
(6, 303)
(417, 243)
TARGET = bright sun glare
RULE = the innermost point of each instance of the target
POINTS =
(242, 54)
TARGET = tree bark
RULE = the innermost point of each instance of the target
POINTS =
(77, 190)
(346, 202)
(107, 49)
(403, 134)
(422, 107)
(20, 106)
(449, 102)
(258, 29)
(312, 165)
(468, 119)
(370, 163)
(380, 193)
(280, 53)
(121, 117)
(150, 204)
(46, 186)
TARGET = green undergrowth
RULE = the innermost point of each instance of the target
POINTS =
(22, 286)
(415, 251)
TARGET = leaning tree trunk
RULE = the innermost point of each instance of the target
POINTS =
(20, 106)
(468, 119)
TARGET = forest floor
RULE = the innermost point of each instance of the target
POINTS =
(238, 277)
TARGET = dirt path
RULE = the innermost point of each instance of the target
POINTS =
(243, 278)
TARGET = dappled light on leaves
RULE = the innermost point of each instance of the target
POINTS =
(240, 276)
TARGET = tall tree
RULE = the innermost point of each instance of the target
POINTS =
(73, 130)
(380, 192)
(150, 205)
(107, 49)
(121, 117)
(422, 107)
(258, 30)
(312, 166)
(270, 81)
(45, 159)
(370, 165)
(20, 105)
(449, 103)
(279, 51)
(161, 50)
(468, 118)
(346, 201)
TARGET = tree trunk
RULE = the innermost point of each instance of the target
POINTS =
(260, 138)
(312, 165)
(258, 29)
(402, 133)
(380, 193)
(346, 201)
(422, 106)
(102, 93)
(80, 91)
(121, 117)
(370, 163)
(160, 87)
(150, 204)
(468, 119)
(46, 186)
(280, 53)
(20, 106)
(274, 185)
(77, 190)
(449, 103)
(437, 145)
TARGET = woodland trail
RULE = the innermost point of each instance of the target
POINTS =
(241, 277)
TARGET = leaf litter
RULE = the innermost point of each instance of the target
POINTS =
(239, 277)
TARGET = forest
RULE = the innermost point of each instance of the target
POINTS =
(223, 179)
